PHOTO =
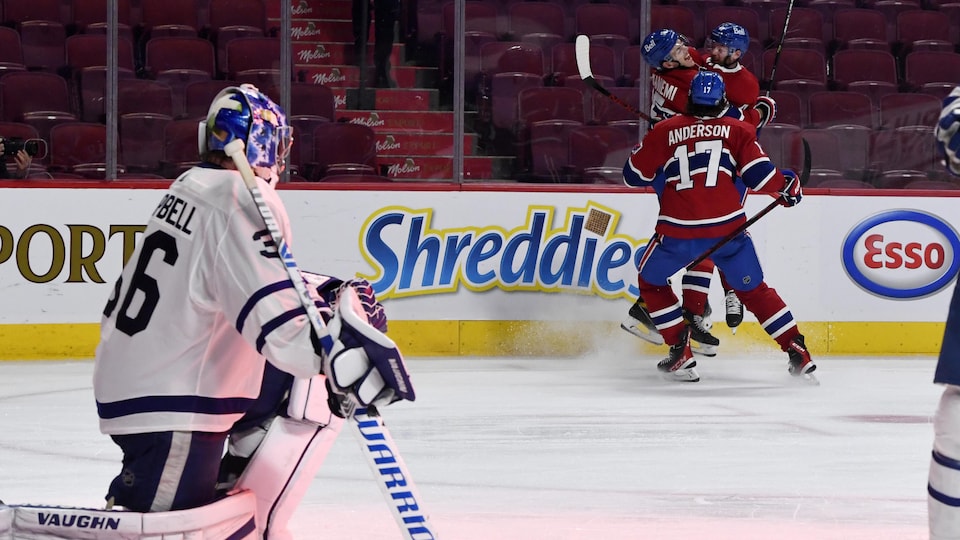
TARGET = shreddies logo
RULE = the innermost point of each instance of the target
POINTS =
(902, 254)
(570, 250)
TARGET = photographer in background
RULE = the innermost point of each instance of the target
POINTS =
(22, 158)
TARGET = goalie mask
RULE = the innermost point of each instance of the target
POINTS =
(247, 114)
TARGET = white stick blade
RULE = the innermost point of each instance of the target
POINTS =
(583, 56)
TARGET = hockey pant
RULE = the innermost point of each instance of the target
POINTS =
(737, 259)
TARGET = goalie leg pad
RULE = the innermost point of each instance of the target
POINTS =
(233, 517)
(943, 488)
(283, 467)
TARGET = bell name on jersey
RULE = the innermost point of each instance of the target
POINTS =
(176, 212)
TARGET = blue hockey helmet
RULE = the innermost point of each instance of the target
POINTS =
(731, 35)
(243, 112)
(707, 88)
(657, 46)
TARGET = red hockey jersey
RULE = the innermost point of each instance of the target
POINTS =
(700, 158)
(671, 88)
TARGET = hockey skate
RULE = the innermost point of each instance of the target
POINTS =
(680, 365)
(734, 310)
(702, 341)
(639, 323)
(800, 364)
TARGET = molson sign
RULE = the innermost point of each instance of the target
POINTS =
(579, 251)
(902, 254)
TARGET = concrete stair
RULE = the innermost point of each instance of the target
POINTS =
(414, 136)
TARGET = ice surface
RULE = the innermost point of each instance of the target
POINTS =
(554, 449)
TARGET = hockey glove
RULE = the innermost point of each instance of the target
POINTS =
(766, 107)
(376, 316)
(364, 367)
(791, 193)
(948, 131)
(330, 289)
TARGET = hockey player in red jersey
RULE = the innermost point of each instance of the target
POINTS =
(699, 155)
(727, 43)
(672, 69)
(673, 64)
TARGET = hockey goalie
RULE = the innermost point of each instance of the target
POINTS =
(209, 375)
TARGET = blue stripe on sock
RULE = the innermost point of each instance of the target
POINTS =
(949, 463)
(947, 500)
(945, 461)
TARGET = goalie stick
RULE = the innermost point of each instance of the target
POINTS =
(393, 478)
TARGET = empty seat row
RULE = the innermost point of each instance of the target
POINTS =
(181, 16)
(855, 151)
(840, 26)
(888, 111)
(42, 45)
(888, 21)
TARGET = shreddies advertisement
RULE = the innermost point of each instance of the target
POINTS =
(500, 255)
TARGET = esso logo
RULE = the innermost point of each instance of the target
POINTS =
(902, 254)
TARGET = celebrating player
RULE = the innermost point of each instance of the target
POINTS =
(201, 305)
(671, 72)
(701, 153)
(727, 43)
(943, 501)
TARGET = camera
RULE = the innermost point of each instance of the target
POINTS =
(33, 147)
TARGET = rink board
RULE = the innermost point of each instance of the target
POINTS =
(504, 271)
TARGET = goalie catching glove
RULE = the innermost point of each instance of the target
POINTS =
(948, 131)
(364, 367)
(791, 193)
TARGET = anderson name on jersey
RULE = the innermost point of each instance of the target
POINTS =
(699, 159)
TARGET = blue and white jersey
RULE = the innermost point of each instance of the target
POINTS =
(201, 303)
(948, 364)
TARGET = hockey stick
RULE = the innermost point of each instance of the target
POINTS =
(382, 455)
(776, 57)
(733, 234)
(582, 49)
(804, 177)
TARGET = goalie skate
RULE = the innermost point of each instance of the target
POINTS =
(679, 365)
(639, 323)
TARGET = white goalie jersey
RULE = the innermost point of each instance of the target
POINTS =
(205, 296)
